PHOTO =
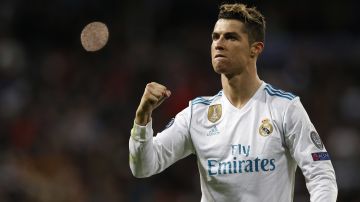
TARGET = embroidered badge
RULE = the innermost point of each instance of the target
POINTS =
(266, 128)
(320, 156)
(214, 113)
(315, 138)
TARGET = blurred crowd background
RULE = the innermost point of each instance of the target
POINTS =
(66, 114)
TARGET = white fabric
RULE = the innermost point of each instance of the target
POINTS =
(236, 161)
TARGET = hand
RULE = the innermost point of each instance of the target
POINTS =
(153, 96)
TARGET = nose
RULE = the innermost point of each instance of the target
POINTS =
(219, 44)
(219, 47)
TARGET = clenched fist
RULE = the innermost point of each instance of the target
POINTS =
(153, 96)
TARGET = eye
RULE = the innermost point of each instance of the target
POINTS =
(215, 36)
(231, 37)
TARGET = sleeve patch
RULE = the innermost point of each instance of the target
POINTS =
(320, 156)
(315, 138)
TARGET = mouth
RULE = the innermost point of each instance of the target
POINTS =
(219, 56)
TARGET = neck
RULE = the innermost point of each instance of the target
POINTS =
(241, 87)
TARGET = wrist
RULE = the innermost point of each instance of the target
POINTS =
(142, 118)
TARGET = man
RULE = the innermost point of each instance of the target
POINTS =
(249, 138)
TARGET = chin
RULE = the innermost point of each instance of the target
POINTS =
(221, 69)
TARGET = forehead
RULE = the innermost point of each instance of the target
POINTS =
(229, 25)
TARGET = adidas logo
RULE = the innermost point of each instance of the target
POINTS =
(213, 131)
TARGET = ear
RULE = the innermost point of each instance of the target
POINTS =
(256, 49)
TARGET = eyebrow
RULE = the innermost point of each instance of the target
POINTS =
(226, 33)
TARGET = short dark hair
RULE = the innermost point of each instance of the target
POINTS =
(253, 20)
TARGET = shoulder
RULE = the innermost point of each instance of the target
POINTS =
(279, 100)
(280, 103)
(278, 93)
(206, 100)
(199, 106)
(278, 97)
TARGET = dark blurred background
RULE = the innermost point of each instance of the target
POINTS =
(66, 114)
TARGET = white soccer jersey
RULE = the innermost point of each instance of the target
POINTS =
(248, 154)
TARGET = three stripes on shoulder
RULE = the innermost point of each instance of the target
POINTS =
(277, 92)
(268, 88)
(204, 100)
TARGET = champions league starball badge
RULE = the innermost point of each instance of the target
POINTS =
(315, 138)
(265, 128)
(214, 113)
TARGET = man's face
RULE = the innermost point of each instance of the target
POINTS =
(230, 49)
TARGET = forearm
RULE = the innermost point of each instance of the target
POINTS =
(306, 148)
(142, 118)
(322, 185)
(142, 158)
(150, 155)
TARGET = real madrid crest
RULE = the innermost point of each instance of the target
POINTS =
(214, 113)
(266, 128)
